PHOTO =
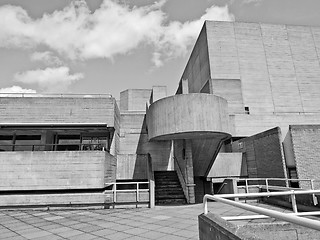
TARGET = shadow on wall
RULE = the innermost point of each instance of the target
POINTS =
(158, 150)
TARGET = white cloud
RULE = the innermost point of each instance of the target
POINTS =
(49, 79)
(254, 2)
(179, 36)
(15, 89)
(47, 58)
(112, 29)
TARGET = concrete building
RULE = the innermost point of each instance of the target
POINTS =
(243, 86)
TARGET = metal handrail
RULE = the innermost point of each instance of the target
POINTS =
(81, 145)
(292, 218)
(137, 190)
(287, 180)
(61, 95)
(178, 164)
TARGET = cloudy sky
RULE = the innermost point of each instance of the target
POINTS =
(107, 46)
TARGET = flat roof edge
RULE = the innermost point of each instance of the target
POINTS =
(52, 124)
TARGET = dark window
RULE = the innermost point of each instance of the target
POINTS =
(246, 110)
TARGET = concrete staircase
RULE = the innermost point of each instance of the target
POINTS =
(168, 189)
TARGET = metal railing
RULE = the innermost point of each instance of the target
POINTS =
(56, 95)
(294, 217)
(54, 147)
(136, 189)
(182, 175)
(268, 186)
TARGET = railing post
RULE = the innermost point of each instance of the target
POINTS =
(137, 194)
(294, 202)
(287, 183)
(114, 194)
(205, 205)
(267, 185)
(314, 198)
(247, 187)
(151, 194)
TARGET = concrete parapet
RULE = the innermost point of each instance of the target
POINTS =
(188, 116)
(213, 227)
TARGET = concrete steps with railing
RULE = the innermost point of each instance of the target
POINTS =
(168, 189)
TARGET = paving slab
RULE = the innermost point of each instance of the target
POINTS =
(161, 222)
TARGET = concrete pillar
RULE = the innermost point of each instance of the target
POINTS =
(171, 158)
(185, 87)
(151, 194)
(189, 171)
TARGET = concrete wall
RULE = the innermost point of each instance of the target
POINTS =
(288, 151)
(213, 227)
(132, 166)
(227, 165)
(271, 69)
(134, 99)
(197, 71)
(53, 170)
(52, 200)
(278, 64)
(134, 142)
(57, 110)
(199, 117)
(248, 125)
(306, 142)
(110, 168)
(115, 144)
(183, 164)
(187, 114)
(263, 153)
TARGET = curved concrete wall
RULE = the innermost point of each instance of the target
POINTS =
(188, 116)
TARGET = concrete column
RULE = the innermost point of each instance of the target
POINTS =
(185, 86)
(189, 171)
(43, 141)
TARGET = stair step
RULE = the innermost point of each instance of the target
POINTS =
(164, 189)
(172, 193)
(168, 189)
(179, 196)
(171, 201)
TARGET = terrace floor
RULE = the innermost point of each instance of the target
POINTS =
(162, 222)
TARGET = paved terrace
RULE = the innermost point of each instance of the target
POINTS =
(162, 222)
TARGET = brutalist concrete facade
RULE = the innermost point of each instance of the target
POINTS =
(242, 87)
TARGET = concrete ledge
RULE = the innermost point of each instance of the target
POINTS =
(51, 200)
(188, 116)
(213, 227)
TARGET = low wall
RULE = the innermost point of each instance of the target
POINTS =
(263, 154)
(55, 178)
(52, 200)
(213, 227)
(52, 170)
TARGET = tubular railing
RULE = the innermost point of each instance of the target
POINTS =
(288, 217)
(53, 147)
(56, 95)
(268, 187)
(136, 189)
(182, 175)
(150, 174)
